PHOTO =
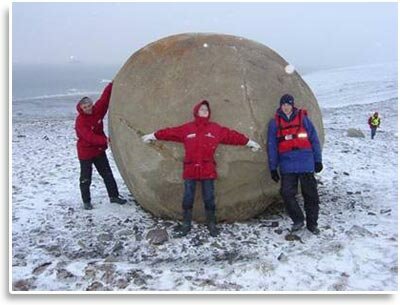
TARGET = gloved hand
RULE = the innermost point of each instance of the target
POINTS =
(253, 145)
(149, 137)
(318, 167)
(275, 175)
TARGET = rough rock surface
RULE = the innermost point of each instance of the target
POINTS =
(355, 133)
(158, 87)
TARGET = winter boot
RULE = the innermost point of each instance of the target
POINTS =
(186, 225)
(313, 229)
(87, 206)
(297, 226)
(118, 200)
(211, 223)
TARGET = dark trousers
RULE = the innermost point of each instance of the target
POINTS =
(373, 132)
(308, 184)
(104, 169)
(207, 187)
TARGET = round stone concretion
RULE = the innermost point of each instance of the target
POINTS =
(158, 87)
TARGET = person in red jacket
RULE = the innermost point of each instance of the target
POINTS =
(200, 138)
(91, 146)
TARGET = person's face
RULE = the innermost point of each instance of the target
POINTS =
(87, 107)
(287, 109)
(203, 111)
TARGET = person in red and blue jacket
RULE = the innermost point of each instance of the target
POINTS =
(293, 147)
(200, 138)
(92, 144)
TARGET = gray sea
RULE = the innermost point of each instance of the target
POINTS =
(47, 91)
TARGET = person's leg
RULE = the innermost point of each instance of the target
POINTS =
(309, 191)
(289, 184)
(104, 169)
(188, 194)
(373, 132)
(187, 205)
(207, 187)
(85, 180)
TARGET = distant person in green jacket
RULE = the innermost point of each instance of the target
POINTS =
(374, 122)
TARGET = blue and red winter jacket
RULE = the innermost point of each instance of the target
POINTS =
(201, 138)
(299, 160)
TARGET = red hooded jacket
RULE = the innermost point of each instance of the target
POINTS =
(200, 139)
(92, 140)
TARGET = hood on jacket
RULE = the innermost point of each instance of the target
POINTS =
(196, 111)
(197, 107)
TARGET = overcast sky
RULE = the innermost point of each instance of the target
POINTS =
(305, 34)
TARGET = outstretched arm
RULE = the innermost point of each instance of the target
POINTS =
(175, 134)
(232, 137)
(101, 106)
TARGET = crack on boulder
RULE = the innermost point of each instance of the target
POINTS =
(246, 96)
(158, 146)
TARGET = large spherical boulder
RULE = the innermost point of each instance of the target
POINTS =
(158, 86)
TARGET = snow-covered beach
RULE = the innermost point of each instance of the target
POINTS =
(58, 246)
